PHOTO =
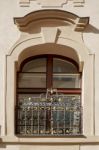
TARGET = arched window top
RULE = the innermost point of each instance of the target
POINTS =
(49, 71)
(35, 65)
(61, 65)
(58, 65)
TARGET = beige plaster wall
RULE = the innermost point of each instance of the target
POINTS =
(37, 147)
(10, 34)
(89, 147)
(48, 147)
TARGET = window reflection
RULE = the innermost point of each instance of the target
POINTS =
(63, 66)
(35, 65)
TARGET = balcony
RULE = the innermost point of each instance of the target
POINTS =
(51, 114)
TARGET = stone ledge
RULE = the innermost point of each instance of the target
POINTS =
(50, 140)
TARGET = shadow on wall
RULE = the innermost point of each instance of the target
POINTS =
(91, 29)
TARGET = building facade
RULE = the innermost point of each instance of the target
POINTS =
(49, 74)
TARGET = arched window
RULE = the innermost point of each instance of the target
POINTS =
(48, 97)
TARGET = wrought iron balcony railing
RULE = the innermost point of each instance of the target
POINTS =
(51, 115)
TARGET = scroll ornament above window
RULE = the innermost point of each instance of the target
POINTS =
(77, 23)
(51, 3)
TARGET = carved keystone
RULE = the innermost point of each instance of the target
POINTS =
(49, 34)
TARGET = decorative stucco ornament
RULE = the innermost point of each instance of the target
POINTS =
(77, 23)
(51, 3)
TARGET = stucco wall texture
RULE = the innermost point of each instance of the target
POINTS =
(11, 35)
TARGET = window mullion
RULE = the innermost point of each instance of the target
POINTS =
(49, 73)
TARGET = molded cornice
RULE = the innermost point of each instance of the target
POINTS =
(79, 23)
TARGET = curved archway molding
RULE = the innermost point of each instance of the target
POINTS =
(52, 26)
(66, 47)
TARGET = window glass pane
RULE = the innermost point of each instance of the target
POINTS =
(66, 81)
(36, 65)
(31, 80)
(60, 65)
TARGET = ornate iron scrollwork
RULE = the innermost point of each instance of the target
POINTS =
(49, 114)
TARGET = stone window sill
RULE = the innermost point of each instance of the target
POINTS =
(51, 140)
